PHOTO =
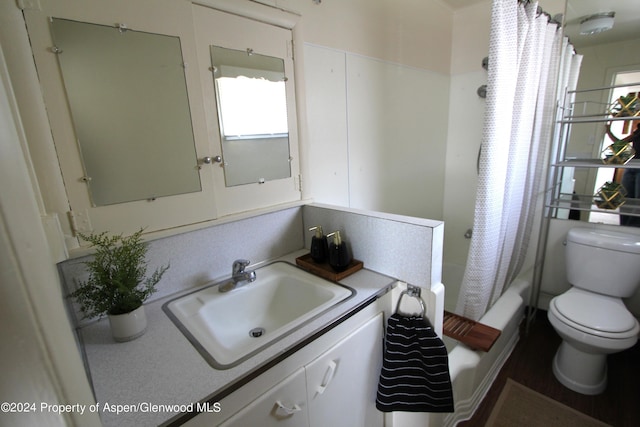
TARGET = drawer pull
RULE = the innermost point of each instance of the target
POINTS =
(284, 411)
(328, 376)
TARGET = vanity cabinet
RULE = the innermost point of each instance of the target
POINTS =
(342, 382)
(283, 405)
(337, 388)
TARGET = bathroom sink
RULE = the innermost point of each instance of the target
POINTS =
(229, 327)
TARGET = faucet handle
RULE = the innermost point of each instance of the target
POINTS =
(239, 265)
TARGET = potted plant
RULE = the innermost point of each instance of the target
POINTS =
(117, 286)
(610, 196)
(626, 105)
(620, 152)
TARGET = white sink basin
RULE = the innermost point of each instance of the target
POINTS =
(229, 327)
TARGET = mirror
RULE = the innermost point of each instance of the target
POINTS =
(128, 99)
(252, 115)
(609, 58)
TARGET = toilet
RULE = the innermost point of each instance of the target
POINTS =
(603, 267)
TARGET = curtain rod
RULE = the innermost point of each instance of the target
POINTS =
(540, 11)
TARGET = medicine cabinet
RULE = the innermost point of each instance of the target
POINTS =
(136, 142)
(252, 115)
(130, 99)
(260, 165)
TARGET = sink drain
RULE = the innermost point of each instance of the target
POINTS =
(256, 332)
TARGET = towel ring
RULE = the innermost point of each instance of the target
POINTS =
(411, 291)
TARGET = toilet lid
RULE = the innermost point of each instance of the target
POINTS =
(594, 311)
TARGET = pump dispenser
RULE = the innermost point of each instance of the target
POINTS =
(339, 257)
(319, 247)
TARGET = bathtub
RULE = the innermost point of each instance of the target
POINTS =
(473, 372)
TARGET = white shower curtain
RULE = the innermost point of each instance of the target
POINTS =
(524, 57)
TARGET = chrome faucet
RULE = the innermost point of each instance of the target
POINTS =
(239, 276)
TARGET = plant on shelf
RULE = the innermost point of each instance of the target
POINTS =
(626, 106)
(620, 151)
(610, 196)
(117, 285)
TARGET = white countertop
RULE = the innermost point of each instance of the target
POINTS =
(163, 368)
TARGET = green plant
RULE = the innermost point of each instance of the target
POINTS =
(619, 145)
(116, 283)
(610, 196)
(611, 187)
(626, 105)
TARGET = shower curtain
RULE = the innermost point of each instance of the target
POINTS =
(525, 54)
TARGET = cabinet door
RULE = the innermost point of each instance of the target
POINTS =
(342, 383)
(125, 212)
(216, 28)
(282, 406)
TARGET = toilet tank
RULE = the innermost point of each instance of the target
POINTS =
(602, 261)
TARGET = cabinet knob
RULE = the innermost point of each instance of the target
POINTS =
(208, 160)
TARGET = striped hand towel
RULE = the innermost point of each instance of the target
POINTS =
(415, 369)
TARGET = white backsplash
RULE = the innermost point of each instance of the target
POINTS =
(201, 256)
(408, 249)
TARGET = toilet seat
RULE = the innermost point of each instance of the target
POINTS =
(594, 314)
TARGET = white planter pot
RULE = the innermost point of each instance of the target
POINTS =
(129, 326)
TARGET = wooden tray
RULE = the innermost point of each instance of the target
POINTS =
(476, 335)
(324, 270)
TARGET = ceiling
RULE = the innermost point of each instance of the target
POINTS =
(457, 4)
(626, 25)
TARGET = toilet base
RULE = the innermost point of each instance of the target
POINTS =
(585, 373)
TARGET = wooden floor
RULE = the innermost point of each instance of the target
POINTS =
(530, 365)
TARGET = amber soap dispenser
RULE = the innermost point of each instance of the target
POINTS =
(339, 256)
(319, 247)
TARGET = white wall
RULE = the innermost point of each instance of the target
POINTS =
(376, 133)
(397, 135)
(376, 90)
(415, 33)
(39, 354)
(471, 27)
(326, 176)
